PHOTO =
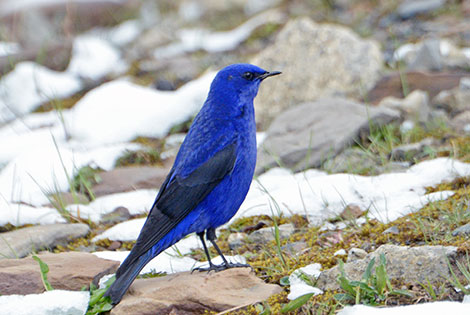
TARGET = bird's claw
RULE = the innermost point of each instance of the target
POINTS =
(221, 267)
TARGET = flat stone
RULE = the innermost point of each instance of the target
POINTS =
(461, 122)
(432, 83)
(266, 234)
(392, 230)
(351, 212)
(67, 271)
(415, 107)
(68, 198)
(236, 240)
(129, 178)
(195, 293)
(405, 264)
(333, 61)
(354, 160)
(428, 57)
(120, 214)
(304, 136)
(410, 8)
(462, 230)
(409, 152)
(19, 243)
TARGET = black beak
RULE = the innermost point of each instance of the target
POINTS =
(269, 74)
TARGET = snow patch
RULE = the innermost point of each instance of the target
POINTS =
(93, 58)
(321, 196)
(136, 110)
(298, 286)
(29, 85)
(445, 307)
(55, 302)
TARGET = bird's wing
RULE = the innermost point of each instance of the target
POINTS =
(179, 196)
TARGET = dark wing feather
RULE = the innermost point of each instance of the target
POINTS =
(179, 196)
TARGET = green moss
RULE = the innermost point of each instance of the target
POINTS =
(139, 157)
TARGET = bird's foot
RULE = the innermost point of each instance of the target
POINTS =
(221, 267)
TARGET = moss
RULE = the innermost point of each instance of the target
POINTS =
(60, 104)
(139, 157)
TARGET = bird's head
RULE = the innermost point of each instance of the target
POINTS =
(240, 81)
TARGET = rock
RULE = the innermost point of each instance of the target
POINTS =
(235, 240)
(412, 151)
(392, 230)
(411, 8)
(356, 254)
(19, 243)
(454, 101)
(129, 178)
(462, 230)
(354, 160)
(414, 107)
(195, 293)
(404, 264)
(56, 21)
(428, 57)
(67, 198)
(304, 136)
(351, 212)
(461, 122)
(265, 235)
(120, 214)
(333, 61)
(432, 83)
(464, 84)
(294, 248)
(67, 271)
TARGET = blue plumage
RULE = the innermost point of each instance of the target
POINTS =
(210, 177)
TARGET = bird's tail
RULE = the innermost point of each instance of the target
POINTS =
(125, 278)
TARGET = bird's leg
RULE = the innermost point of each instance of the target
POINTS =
(226, 265)
(206, 251)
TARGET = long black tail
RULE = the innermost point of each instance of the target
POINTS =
(124, 278)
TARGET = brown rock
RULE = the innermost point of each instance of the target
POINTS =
(195, 293)
(67, 271)
(68, 198)
(351, 212)
(129, 178)
(433, 83)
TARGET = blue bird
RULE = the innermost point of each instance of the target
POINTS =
(209, 179)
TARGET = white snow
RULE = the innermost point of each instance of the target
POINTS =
(20, 214)
(340, 252)
(29, 85)
(129, 231)
(168, 262)
(93, 58)
(125, 231)
(8, 48)
(55, 302)
(136, 110)
(137, 202)
(202, 39)
(445, 307)
(321, 196)
(44, 169)
(298, 286)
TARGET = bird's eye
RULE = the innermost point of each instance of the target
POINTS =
(248, 75)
